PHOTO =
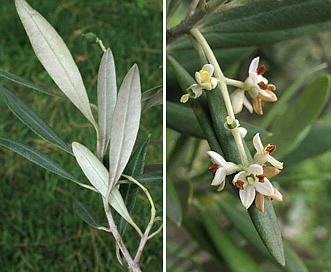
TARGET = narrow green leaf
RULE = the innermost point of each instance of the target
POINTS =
(174, 208)
(266, 22)
(316, 143)
(107, 94)
(86, 213)
(55, 57)
(152, 178)
(218, 115)
(98, 175)
(183, 120)
(199, 107)
(129, 192)
(135, 166)
(300, 116)
(268, 229)
(240, 220)
(234, 33)
(282, 104)
(184, 189)
(151, 98)
(36, 157)
(32, 120)
(125, 124)
(235, 257)
(26, 83)
(194, 225)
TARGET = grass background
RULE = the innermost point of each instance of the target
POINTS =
(39, 230)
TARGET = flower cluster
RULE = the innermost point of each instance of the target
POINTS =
(205, 81)
(257, 87)
(253, 180)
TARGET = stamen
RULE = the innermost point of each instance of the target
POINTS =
(239, 184)
(262, 85)
(269, 148)
(261, 178)
(261, 70)
(205, 77)
(213, 168)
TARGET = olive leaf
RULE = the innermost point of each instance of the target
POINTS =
(107, 95)
(55, 56)
(125, 124)
(98, 175)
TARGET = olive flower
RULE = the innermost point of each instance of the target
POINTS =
(263, 153)
(205, 81)
(257, 84)
(258, 88)
(238, 100)
(220, 168)
(251, 181)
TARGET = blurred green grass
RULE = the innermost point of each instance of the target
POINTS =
(39, 230)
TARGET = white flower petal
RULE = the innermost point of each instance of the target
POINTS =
(265, 187)
(231, 168)
(216, 158)
(242, 132)
(247, 104)
(239, 176)
(254, 90)
(254, 64)
(209, 68)
(237, 100)
(198, 77)
(250, 81)
(260, 78)
(197, 90)
(206, 86)
(260, 158)
(255, 169)
(219, 177)
(221, 187)
(213, 82)
(274, 162)
(247, 196)
(258, 143)
(266, 95)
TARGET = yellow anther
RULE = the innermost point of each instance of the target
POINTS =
(205, 76)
